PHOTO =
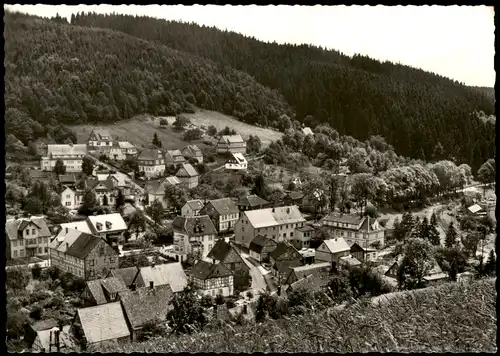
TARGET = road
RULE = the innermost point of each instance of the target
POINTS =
(261, 278)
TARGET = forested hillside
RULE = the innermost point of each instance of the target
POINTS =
(414, 110)
(62, 74)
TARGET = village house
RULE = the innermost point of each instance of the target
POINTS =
(55, 339)
(101, 324)
(108, 226)
(236, 162)
(194, 236)
(27, 237)
(293, 198)
(100, 140)
(121, 150)
(283, 258)
(433, 277)
(192, 208)
(297, 273)
(252, 202)
(192, 151)
(83, 255)
(212, 279)
(312, 283)
(187, 176)
(363, 254)
(71, 155)
(68, 180)
(104, 190)
(364, 231)
(145, 305)
(174, 157)
(127, 274)
(308, 255)
(349, 261)
(30, 330)
(224, 253)
(168, 273)
(302, 237)
(277, 223)
(151, 162)
(101, 291)
(332, 250)
(155, 190)
(10, 171)
(261, 247)
(231, 144)
(223, 212)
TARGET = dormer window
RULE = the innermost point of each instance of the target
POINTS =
(108, 225)
(98, 226)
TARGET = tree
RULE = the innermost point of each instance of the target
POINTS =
(432, 233)
(175, 196)
(339, 288)
(137, 223)
(59, 167)
(120, 200)
(416, 264)
(156, 141)
(17, 278)
(403, 228)
(470, 242)
(36, 271)
(451, 236)
(259, 187)
(212, 130)
(156, 209)
(491, 264)
(32, 205)
(181, 122)
(486, 173)
(90, 204)
(192, 134)
(87, 166)
(254, 145)
(227, 131)
(186, 315)
(134, 260)
(371, 211)
(163, 122)
(363, 187)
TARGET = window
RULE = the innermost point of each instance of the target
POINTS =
(91, 263)
(68, 203)
(68, 196)
(14, 243)
(27, 232)
(210, 246)
(39, 250)
(32, 231)
(242, 229)
(46, 249)
(21, 242)
(101, 250)
(284, 235)
(15, 253)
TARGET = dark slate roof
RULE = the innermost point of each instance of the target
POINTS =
(93, 183)
(189, 169)
(44, 324)
(285, 266)
(96, 291)
(312, 283)
(113, 285)
(67, 178)
(224, 206)
(252, 200)
(354, 219)
(280, 249)
(220, 250)
(202, 270)
(127, 275)
(146, 304)
(258, 243)
(296, 195)
(188, 224)
(83, 245)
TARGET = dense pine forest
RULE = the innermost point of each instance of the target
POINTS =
(111, 67)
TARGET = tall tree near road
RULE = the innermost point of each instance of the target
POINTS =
(416, 264)
(59, 167)
(87, 166)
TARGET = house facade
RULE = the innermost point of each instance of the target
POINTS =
(102, 291)
(108, 226)
(231, 144)
(251, 202)
(363, 254)
(261, 247)
(212, 279)
(71, 155)
(194, 237)
(27, 238)
(83, 255)
(236, 162)
(223, 212)
(100, 140)
(277, 223)
(174, 157)
(188, 176)
(151, 162)
(332, 250)
(364, 231)
(155, 190)
(121, 150)
(193, 151)
(283, 258)
(302, 237)
(224, 253)
(192, 208)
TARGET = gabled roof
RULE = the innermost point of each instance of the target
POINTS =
(189, 169)
(64, 239)
(474, 208)
(116, 220)
(336, 245)
(252, 201)
(365, 249)
(258, 243)
(274, 216)
(370, 225)
(149, 154)
(285, 266)
(103, 322)
(67, 178)
(113, 285)
(195, 204)
(353, 219)
(220, 250)
(224, 206)
(169, 273)
(189, 225)
(127, 275)
(145, 304)
(95, 289)
(174, 153)
(232, 139)
(351, 261)
(204, 270)
(305, 228)
(125, 145)
(296, 195)
(192, 150)
(281, 249)
(66, 341)
(102, 134)
(82, 226)
(315, 268)
(312, 283)
(44, 324)
(83, 245)
(239, 157)
(12, 226)
(67, 150)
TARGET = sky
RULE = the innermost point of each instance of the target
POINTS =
(454, 41)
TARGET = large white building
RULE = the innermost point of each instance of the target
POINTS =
(236, 162)
(71, 155)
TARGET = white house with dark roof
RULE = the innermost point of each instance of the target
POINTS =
(364, 231)
(193, 236)
(236, 162)
(27, 237)
(188, 176)
(231, 144)
(192, 208)
(193, 151)
(71, 155)
(278, 223)
(212, 279)
(155, 190)
(121, 150)
(332, 250)
(151, 162)
(107, 226)
(223, 212)
(100, 140)
(102, 323)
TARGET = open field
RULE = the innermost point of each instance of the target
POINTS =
(430, 320)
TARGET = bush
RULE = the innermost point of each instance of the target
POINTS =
(207, 301)
(17, 278)
(230, 304)
(53, 272)
(36, 271)
(219, 299)
(250, 294)
(36, 312)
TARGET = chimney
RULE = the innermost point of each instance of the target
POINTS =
(67, 230)
(67, 245)
(132, 287)
(273, 210)
(288, 210)
(151, 284)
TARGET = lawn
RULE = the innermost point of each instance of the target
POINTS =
(430, 320)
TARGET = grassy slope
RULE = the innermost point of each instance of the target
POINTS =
(450, 318)
(140, 131)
